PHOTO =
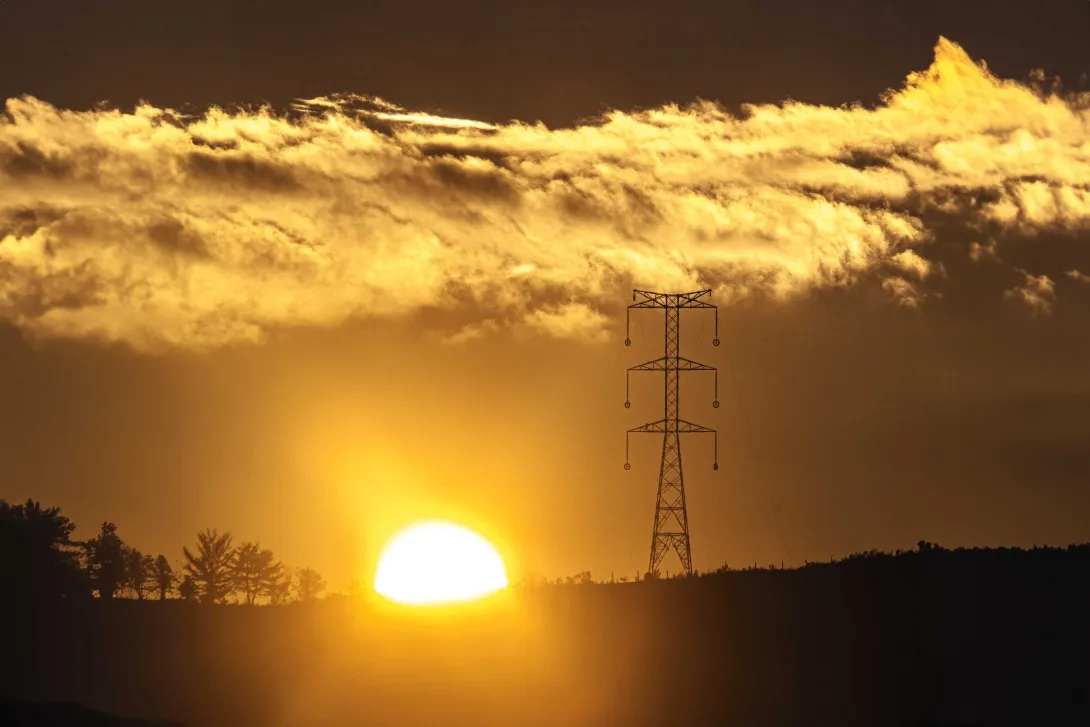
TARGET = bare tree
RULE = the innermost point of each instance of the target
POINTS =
(254, 572)
(164, 577)
(308, 584)
(210, 568)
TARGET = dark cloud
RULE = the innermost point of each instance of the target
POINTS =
(487, 182)
(25, 221)
(243, 171)
(176, 239)
(23, 160)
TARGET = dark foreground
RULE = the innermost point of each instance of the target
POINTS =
(34, 714)
(996, 637)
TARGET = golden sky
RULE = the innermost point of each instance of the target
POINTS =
(347, 315)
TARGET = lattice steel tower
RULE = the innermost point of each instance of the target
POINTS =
(671, 518)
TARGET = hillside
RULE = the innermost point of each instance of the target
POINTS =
(931, 636)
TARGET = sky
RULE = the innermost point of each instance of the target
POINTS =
(308, 274)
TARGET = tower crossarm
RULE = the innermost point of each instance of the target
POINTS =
(684, 364)
(662, 363)
(669, 301)
(667, 363)
(649, 428)
(662, 426)
(651, 299)
(659, 364)
(685, 427)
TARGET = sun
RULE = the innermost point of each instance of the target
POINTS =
(438, 562)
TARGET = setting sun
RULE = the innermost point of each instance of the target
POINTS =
(438, 562)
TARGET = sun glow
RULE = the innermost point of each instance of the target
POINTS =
(438, 562)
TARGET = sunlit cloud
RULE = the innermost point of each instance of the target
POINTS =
(160, 230)
(439, 121)
(912, 263)
(978, 252)
(572, 320)
(472, 332)
(1038, 292)
(905, 293)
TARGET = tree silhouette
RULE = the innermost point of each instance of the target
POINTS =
(533, 579)
(309, 584)
(282, 588)
(210, 568)
(187, 589)
(254, 572)
(581, 578)
(105, 558)
(139, 573)
(164, 577)
(37, 555)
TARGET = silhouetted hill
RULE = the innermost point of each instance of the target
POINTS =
(965, 637)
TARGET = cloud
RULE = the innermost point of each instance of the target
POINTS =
(1078, 276)
(911, 263)
(160, 230)
(905, 293)
(571, 320)
(978, 252)
(1038, 292)
(472, 332)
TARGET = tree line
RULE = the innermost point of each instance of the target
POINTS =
(40, 558)
(924, 549)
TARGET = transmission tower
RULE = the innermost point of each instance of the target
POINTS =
(671, 518)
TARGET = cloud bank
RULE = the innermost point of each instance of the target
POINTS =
(161, 231)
